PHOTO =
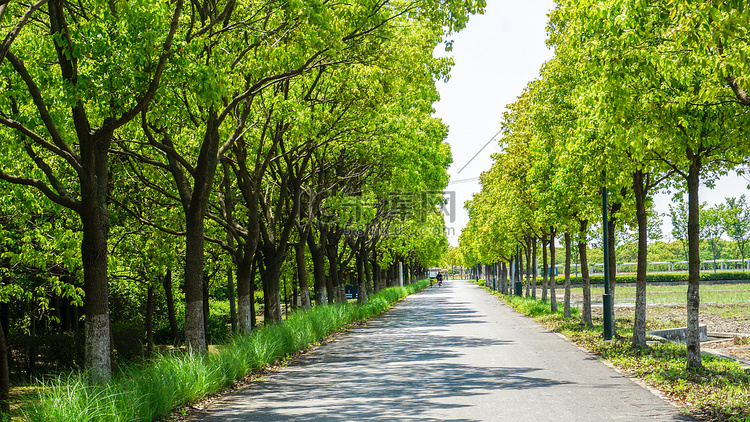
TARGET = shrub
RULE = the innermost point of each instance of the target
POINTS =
(128, 340)
(218, 325)
(659, 278)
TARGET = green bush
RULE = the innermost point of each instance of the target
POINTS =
(128, 339)
(659, 278)
(218, 322)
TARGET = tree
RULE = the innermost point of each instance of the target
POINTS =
(678, 214)
(64, 120)
(736, 223)
(712, 228)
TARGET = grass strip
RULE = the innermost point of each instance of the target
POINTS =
(720, 391)
(151, 390)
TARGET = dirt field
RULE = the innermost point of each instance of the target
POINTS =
(718, 318)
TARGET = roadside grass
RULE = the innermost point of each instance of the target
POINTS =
(720, 391)
(152, 389)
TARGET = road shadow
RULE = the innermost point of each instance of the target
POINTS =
(407, 364)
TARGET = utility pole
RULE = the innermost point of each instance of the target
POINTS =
(607, 304)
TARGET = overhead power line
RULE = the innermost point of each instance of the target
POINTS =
(453, 182)
(480, 151)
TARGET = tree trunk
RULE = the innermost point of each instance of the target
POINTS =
(332, 282)
(503, 278)
(568, 250)
(532, 267)
(195, 210)
(693, 295)
(317, 252)
(378, 281)
(330, 288)
(95, 281)
(206, 311)
(94, 258)
(368, 277)
(195, 336)
(286, 298)
(586, 307)
(295, 294)
(253, 316)
(336, 268)
(340, 287)
(272, 296)
(333, 271)
(167, 284)
(519, 272)
(553, 269)
(299, 253)
(271, 284)
(544, 268)
(93, 180)
(361, 279)
(231, 294)
(639, 323)
(528, 269)
(228, 211)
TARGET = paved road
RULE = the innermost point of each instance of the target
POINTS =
(453, 353)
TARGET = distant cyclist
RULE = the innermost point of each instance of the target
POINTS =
(439, 278)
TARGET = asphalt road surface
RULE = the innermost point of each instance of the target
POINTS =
(453, 353)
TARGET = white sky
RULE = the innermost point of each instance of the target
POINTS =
(495, 56)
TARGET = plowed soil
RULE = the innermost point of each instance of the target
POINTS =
(718, 318)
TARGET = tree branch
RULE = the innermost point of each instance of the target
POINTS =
(62, 147)
(65, 201)
(47, 170)
(110, 126)
(742, 96)
(5, 46)
(147, 222)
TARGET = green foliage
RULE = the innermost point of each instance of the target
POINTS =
(736, 222)
(325, 98)
(218, 322)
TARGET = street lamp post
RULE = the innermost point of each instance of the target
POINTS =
(607, 304)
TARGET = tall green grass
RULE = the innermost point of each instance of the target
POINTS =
(144, 392)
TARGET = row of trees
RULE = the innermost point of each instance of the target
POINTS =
(640, 96)
(660, 255)
(142, 131)
(730, 219)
